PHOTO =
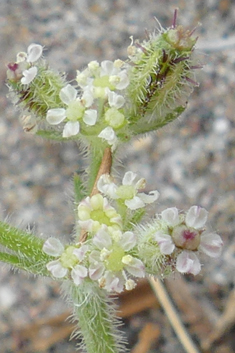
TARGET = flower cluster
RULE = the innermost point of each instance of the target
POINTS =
(114, 257)
(108, 256)
(111, 261)
(184, 235)
(112, 100)
(98, 88)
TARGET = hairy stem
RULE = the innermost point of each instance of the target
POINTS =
(96, 318)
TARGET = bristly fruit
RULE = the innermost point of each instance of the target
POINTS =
(161, 77)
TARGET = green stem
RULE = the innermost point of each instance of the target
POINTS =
(95, 313)
(27, 248)
(24, 264)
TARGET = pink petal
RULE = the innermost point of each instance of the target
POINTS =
(211, 244)
(57, 269)
(165, 242)
(53, 247)
(78, 274)
(187, 262)
(196, 217)
(136, 268)
(128, 240)
(102, 240)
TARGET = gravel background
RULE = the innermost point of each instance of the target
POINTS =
(190, 161)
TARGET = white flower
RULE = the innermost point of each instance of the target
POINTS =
(187, 236)
(68, 260)
(110, 261)
(128, 191)
(95, 212)
(55, 248)
(117, 77)
(75, 111)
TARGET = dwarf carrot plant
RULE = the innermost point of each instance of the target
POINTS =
(108, 104)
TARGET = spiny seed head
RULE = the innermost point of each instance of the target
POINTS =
(161, 77)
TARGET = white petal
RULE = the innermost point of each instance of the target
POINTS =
(87, 97)
(136, 268)
(211, 244)
(129, 178)
(68, 94)
(96, 268)
(55, 116)
(165, 242)
(71, 129)
(106, 186)
(56, 269)
(29, 75)
(34, 52)
(128, 240)
(196, 217)
(114, 283)
(102, 239)
(134, 203)
(187, 262)
(78, 274)
(115, 100)
(81, 252)
(149, 198)
(109, 135)
(107, 68)
(90, 117)
(53, 247)
(171, 216)
(124, 80)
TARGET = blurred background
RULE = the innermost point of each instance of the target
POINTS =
(191, 161)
